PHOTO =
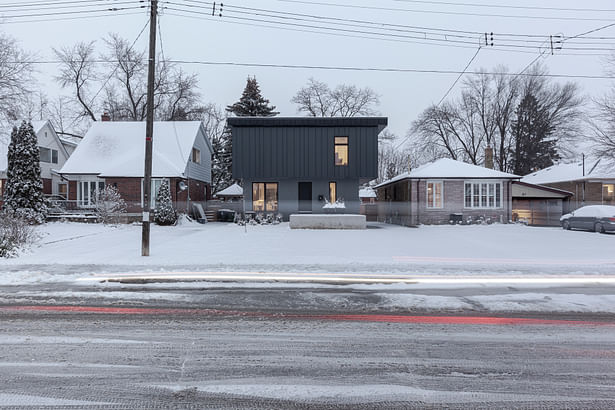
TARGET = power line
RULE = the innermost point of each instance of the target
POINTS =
(504, 6)
(397, 9)
(458, 78)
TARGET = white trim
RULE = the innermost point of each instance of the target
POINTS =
(479, 183)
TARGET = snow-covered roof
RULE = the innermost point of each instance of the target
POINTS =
(450, 168)
(594, 169)
(367, 193)
(5, 139)
(233, 190)
(118, 149)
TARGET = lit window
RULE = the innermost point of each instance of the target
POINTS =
(608, 193)
(265, 196)
(434, 194)
(196, 156)
(483, 195)
(1, 187)
(332, 192)
(341, 151)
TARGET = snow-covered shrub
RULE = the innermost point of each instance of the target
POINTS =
(15, 233)
(109, 205)
(164, 214)
(23, 193)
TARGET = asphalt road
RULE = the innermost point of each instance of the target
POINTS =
(134, 357)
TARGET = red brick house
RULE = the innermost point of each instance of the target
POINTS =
(446, 191)
(112, 153)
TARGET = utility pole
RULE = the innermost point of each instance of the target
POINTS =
(149, 129)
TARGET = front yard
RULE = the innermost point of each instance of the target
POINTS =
(380, 248)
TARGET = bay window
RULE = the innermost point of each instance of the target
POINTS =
(87, 192)
(483, 195)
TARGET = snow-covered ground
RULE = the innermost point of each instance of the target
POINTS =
(382, 247)
(401, 266)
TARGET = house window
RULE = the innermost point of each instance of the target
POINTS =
(265, 196)
(196, 156)
(608, 193)
(54, 156)
(155, 186)
(87, 191)
(48, 155)
(483, 195)
(341, 151)
(1, 188)
(332, 192)
(434, 194)
(63, 190)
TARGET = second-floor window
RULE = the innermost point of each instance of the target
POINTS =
(341, 151)
(196, 156)
(48, 155)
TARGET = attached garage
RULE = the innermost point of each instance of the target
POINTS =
(538, 205)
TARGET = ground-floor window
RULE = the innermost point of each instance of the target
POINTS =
(87, 191)
(63, 190)
(265, 196)
(483, 194)
(608, 193)
(434, 194)
(332, 192)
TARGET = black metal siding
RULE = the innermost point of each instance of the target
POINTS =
(303, 152)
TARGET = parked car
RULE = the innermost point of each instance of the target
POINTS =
(597, 218)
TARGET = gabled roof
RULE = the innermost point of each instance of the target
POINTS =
(233, 190)
(446, 168)
(5, 140)
(117, 149)
(594, 169)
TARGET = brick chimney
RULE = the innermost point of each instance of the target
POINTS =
(105, 116)
(489, 157)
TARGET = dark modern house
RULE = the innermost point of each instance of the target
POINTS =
(304, 165)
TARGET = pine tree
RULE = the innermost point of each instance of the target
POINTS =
(23, 194)
(251, 103)
(531, 129)
(164, 214)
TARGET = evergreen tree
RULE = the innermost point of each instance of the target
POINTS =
(23, 194)
(533, 146)
(164, 214)
(251, 103)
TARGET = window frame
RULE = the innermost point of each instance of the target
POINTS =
(90, 200)
(343, 142)
(490, 199)
(195, 155)
(434, 182)
(266, 201)
(154, 191)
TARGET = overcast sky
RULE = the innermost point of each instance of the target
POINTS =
(240, 37)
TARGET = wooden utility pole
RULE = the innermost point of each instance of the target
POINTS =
(149, 130)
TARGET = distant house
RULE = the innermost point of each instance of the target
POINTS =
(298, 165)
(446, 191)
(112, 153)
(367, 195)
(590, 182)
(54, 153)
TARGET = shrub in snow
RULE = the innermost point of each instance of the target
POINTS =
(109, 205)
(23, 193)
(164, 214)
(15, 233)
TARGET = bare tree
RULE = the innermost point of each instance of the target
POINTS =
(483, 115)
(318, 100)
(78, 71)
(603, 128)
(16, 79)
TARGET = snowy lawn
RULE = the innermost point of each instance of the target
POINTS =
(380, 248)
